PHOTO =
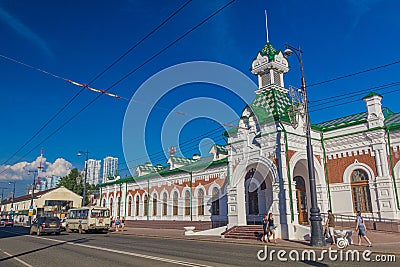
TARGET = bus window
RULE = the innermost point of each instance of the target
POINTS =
(100, 213)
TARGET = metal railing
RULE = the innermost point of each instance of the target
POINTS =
(371, 222)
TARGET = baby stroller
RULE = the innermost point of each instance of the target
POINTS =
(342, 241)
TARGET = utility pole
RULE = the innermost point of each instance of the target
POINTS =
(30, 214)
(84, 182)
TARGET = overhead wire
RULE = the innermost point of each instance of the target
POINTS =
(351, 101)
(130, 73)
(355, 73)
(315, 84)
(352, 94)
(92, 80)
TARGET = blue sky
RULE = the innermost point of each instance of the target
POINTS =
(79, 39)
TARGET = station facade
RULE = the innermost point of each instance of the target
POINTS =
(263, 166)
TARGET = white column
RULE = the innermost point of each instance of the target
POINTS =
(378, 163)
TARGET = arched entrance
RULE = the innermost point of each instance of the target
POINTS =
(258, 190)
(301, 195)
(301, 187)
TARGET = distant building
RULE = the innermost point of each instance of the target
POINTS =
(49, 182)
(110, 168)
(93, 171)
(55, 201)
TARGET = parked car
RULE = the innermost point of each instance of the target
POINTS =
(46, 225)
(7, 222)
(63, 223)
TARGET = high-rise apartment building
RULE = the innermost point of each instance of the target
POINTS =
(93, 171)
(110, 168)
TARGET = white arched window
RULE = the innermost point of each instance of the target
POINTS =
(359, 181)
(215, 201)
(164, 209)
(200, 202)
(175, 203)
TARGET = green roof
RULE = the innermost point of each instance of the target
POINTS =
(371, 94)
(193, 167)
(393, 120)
(355, 119)
(230, 132)
(181, 160)
(150, 168)
(221, 149)
(270, 51)
(275, 101)
(343, 121)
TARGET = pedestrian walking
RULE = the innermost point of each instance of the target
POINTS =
(123, 224)
(111, 221)
(271, 227)
(362, 230)
(265, 225)
(330, 226)
(117, 224)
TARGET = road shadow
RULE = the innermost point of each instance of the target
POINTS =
(79, 240)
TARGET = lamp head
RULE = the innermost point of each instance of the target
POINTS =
(288, 52)
(79, 154)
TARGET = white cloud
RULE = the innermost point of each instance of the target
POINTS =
(19, 171)
(60, 167)
(23, 30)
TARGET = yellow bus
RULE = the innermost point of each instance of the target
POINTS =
(88, 219)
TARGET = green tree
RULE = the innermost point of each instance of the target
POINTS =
(72, 182)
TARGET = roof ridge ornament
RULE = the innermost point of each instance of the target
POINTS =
(266, 25)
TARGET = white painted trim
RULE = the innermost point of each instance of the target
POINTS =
(196, 190)
(354, 166)
(211, 188)
(301, 155)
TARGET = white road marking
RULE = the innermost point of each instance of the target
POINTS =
(15, 258)
(178, 262)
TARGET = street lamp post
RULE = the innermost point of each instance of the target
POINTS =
(32, 196)
(84, 182)
(317, 238)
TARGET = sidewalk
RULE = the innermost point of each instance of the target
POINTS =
(385, 243)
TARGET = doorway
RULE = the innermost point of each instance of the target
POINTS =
(301, 194)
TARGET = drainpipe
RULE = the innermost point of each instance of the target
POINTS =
(191, 195)
(126, 195)
(326, 170)
(392, 167)
(148, 198)
(288, 171)
(119, 200)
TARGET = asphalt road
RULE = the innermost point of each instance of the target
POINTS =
(17, 248)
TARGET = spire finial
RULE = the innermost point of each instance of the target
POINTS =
(266, 25)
